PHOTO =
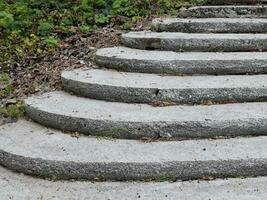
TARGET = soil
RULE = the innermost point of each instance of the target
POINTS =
(39, 75)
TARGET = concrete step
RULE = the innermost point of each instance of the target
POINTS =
(66, 112)
(231, 2)
(231, 11)
(147, 88)
(21, 187)
(174, 41)
(210, 25)
(168, 62)
(32, 149)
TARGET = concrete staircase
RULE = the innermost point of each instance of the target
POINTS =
(187, 101)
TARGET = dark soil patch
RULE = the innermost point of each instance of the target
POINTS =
(35, 75)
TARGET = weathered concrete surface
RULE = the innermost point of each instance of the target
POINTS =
(67, 112)
(210, 25)
(136, 60)
(233, 11)
(32, 149)
(20, 187)
(175, 41)
(146, 88)
(231, 2)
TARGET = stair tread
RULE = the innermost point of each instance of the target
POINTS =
(145, 88)
(207, 20)
(177, 41)
(34, 148)
(235, 2)
(226, 11)
(22, 187)
(62, 110)
(180, 35)
(143, 80)
(215, 25)
(137, 60)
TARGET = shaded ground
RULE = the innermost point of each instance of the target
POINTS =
(37, 75)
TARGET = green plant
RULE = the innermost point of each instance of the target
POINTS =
(45, 28)
(5, 19)
(51, 41)
(4, 78)
(14, 110)
(101, 19)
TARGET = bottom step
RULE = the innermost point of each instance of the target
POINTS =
(32, 149)
(20, 187)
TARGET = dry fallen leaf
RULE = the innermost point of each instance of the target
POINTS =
(162, 103)
(75, 134)
(207, 178)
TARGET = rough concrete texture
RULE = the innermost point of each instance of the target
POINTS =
(219, 63)
(20, 187)
(175, 41)
(210, 25)
(234, 2)
(146, 88)
(32, 149)
(67, 112)
(232, 11)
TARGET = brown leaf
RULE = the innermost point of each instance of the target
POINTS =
(162, 103)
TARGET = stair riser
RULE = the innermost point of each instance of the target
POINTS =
(134, 171)
(225, 12)
(196, 44)
(178, 96)
(207, 27)
(140, 129)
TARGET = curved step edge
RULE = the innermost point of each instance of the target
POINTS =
(234, 11)
(94, 117)
(35, 150)
(187, 63)
(210, 25)
(206, 42)
(23, 187)
(148, 88)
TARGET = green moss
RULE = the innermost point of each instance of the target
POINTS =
(14, 110)
(113, 133)
(150, 43)
(40, 174)
(107, 135)
(4, 78)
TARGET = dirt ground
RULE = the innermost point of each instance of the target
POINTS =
(43, 74)
(39, 75)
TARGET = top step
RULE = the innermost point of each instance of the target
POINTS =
(229, 2)
(259, 11)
